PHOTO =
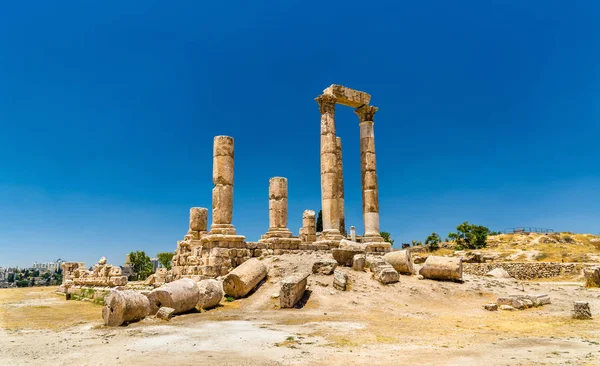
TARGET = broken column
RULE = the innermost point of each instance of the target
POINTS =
(222, 196)
(329, 171)
(442, 268)
(292, 290)
(198, 223)
(181, 295)
(368, 167)
(220, 249)
(340, 186)
(243, 279)
(279, 236)
(308, 232)
(124, 306)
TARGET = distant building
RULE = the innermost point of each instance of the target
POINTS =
(155, 264)
(48, 266)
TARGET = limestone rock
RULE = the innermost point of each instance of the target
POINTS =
(345, 256)
(244, 278)
(491, 307)
(581, 310)
(507, 307)
(543, 298)
(442, 268)
(511, 301)
(102, 261)
(165, 313)
(400, 260)
(124, 306)
(592, 276)
(386, 274)
(340, 280)
(181, 295)
(498, 273)
(210, 293)
(292, 290)
(324, 266)
(358, 262)
(419, 260)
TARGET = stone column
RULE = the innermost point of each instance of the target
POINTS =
(370, 201)
(340, 186)
(329, 168)
(309, 227)
(352, 233)
(278, 208)
(222, 194)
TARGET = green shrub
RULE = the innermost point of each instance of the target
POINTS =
(470, 236)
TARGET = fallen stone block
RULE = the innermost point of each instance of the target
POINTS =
(442, 268)
(324, 266)
(210, 294)
(386, 274)
(581, 310)
(292, 290)
(400, 260)
(165, 313)
(511, 301)
(340, 280)
(498, 273)
(507, 307)
(543, 298)
(244, 278)
(345, 256)
(373, 261)
(124, 306)
(358, 262)
(491, 307)
(592, 276)
(181, 295)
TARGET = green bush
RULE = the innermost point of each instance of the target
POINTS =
(433, 241)
(470, 236)
(387, 237)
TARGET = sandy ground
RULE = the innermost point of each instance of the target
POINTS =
(413, 321)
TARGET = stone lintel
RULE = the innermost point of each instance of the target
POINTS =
(346, 96)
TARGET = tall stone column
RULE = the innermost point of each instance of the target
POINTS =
(278, 208)
(308, 233)
(222, 194)
(329, 168)
(370, 193)
(340, 186)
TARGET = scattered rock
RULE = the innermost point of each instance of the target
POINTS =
(292, 290)
(581, 310)
(420, 277)
(491, 307)
(506, 307)
(165, 313)
(592, 276)
(340, 280)
(511, 301)
(386, 274)
(498, 273)
(358, 262)
(544, 299)
(419, 260)
(324, 266)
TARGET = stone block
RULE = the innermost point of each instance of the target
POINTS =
(358, 262)
(340, 280)
(292, 290)
(346, 96)
(491, 307)
(581, 310)
(165, 313)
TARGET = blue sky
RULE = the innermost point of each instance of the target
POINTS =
(488, 112)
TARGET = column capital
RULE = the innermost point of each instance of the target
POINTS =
(326, 103)
(366, 112)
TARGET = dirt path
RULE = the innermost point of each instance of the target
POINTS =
(424, 322)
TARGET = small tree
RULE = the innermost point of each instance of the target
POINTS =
(165, 259)
(387, 237)
(141, 265)
(415, 243)
(433, 241)
(320, 221)
(470, 236)
(11, 277)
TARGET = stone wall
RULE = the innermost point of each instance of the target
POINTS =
(526, 270)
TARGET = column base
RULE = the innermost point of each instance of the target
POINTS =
(212, 240)
(277, 232)
(378, 247)
(372, 239)
(226, 229)
(282, 243)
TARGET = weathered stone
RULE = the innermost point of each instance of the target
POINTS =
(346, 96)
(165, 313)
(181, 295)
(292, 290)
(243, 279)
(340, 280)
(581, 310)
(442, 268)
(498, 273)
(124, 306)
(358, 262)
(491, 307)
(400, 260)
(507, 307)
(324, 266)
(592, 276)
(345, 257)
(515, 303)
(543, 298)
(384, 273)
(198, 219)
(210, 293)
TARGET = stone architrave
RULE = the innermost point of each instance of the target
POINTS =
(370, 191)
(340, 187)
(329, 171)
